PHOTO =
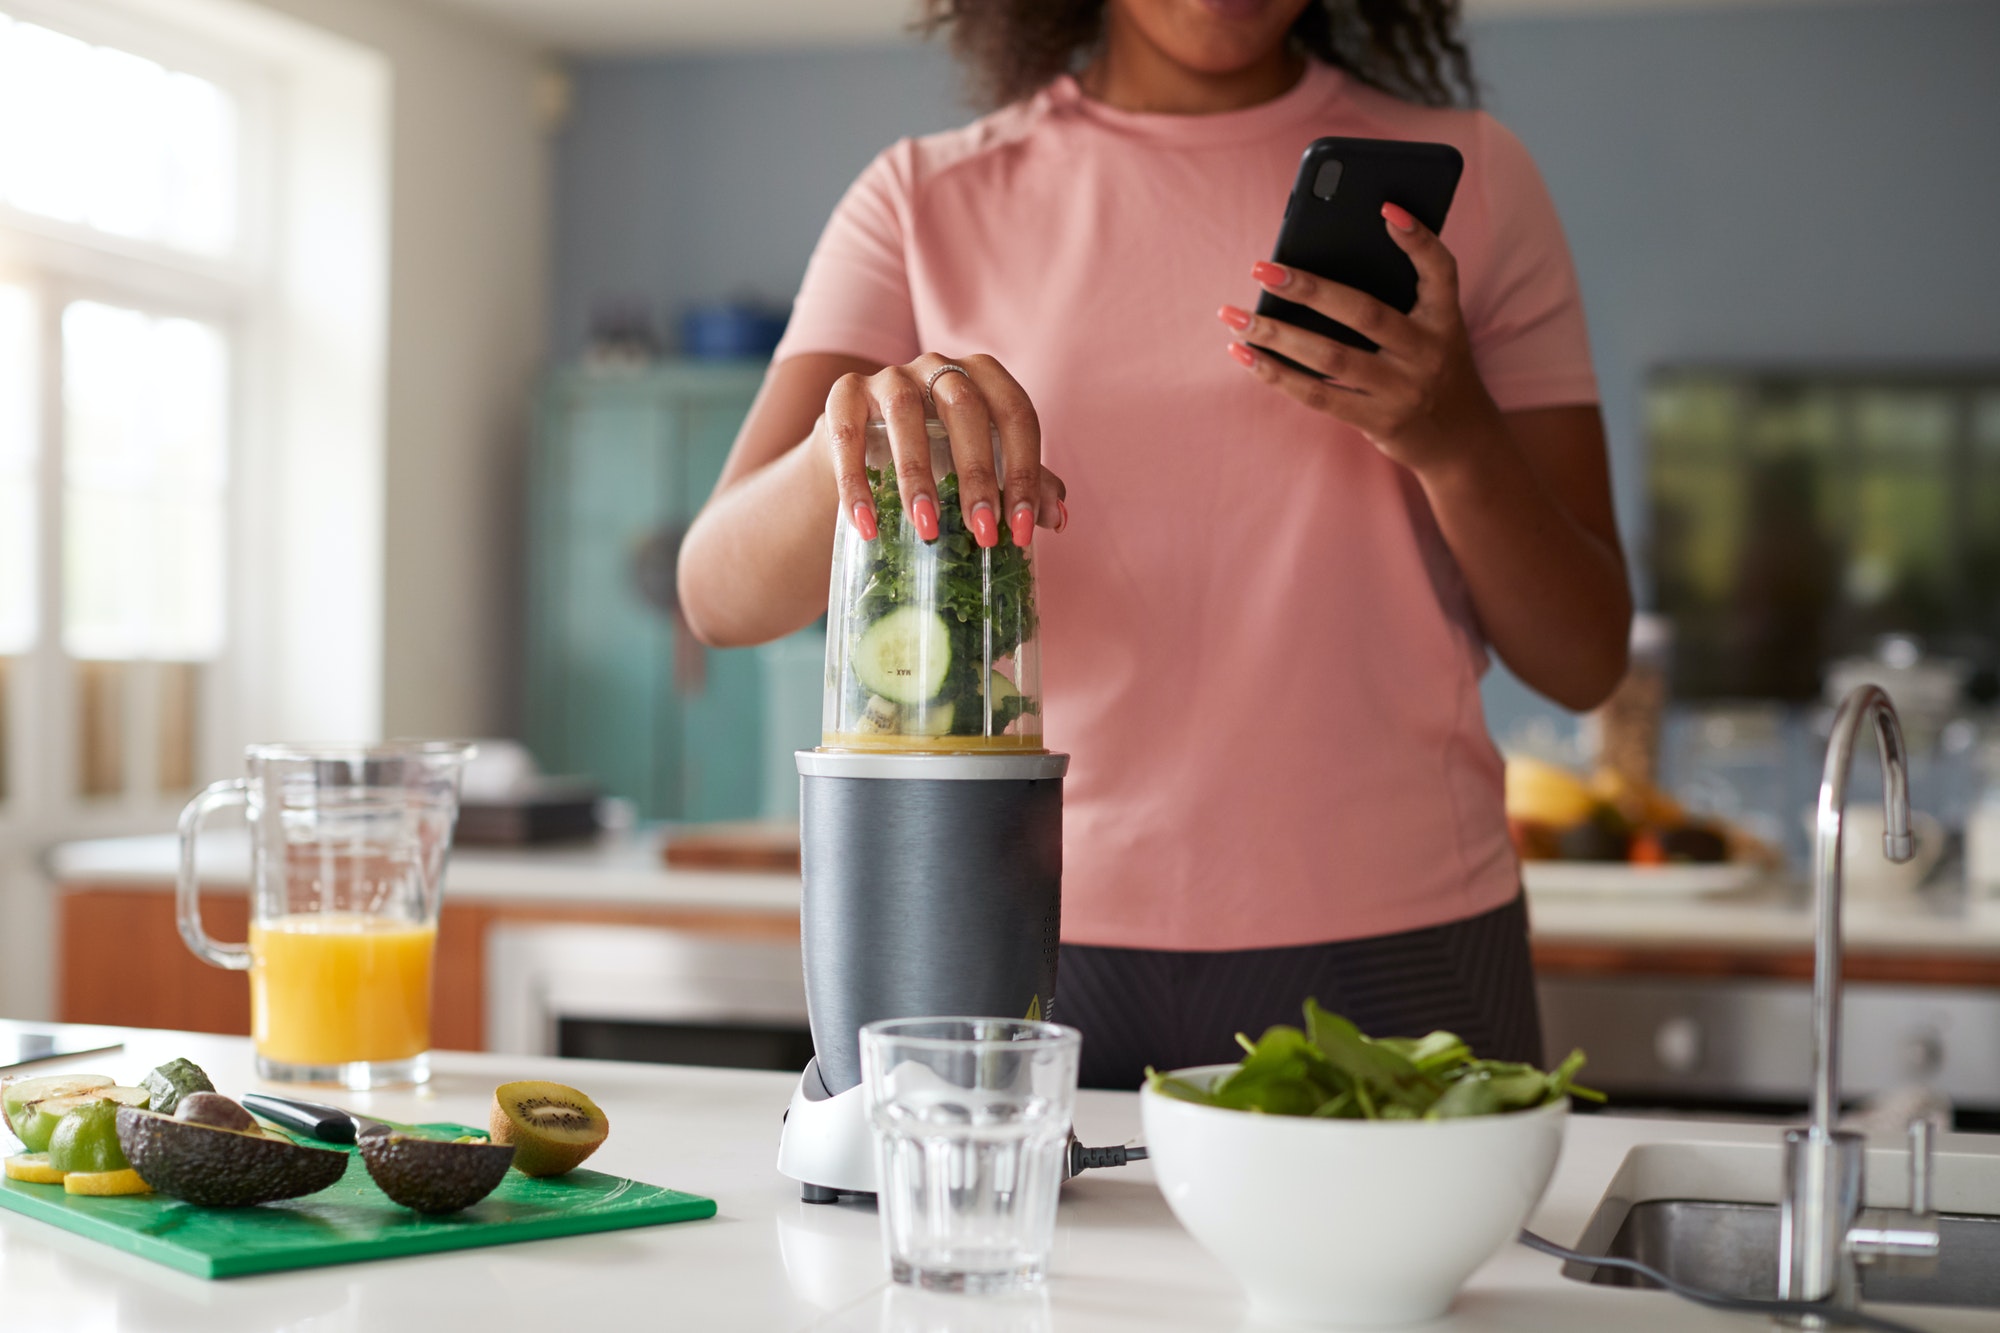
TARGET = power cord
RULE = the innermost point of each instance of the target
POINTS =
(1091, 1159)
(1716, 1300)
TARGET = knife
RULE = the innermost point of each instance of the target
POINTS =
(316, 1120)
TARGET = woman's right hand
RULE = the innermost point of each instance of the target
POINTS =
(969, 405)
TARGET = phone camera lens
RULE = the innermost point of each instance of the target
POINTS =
(1326, 180)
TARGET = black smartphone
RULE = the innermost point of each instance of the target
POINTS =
(1333, 225)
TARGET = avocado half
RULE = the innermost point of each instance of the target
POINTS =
(432, 1175)
(221, 1168)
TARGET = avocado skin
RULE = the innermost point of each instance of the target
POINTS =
(432, 1176)
(221, 1168)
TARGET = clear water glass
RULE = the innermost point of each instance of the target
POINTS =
(971, 1119)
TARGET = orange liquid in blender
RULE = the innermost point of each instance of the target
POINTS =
(333, 988)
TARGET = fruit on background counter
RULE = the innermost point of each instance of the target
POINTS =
(1555, 815)
(1539, 792)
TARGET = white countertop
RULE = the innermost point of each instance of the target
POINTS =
(616, 869)
(626, 870)
(769, 1262)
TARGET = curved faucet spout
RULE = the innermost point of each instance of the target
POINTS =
(1865, 704)
(1822, 1191)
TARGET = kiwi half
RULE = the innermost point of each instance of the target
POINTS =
(552, 1128)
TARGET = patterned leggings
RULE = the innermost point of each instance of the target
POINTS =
(1172, 1008)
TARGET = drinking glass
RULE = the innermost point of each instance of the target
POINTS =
(347, 858)
(971, 1119)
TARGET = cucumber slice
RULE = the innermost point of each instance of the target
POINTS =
(1001, 688)
(928, 719)
(904, 656)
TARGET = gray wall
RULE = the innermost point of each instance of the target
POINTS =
(1793, 182)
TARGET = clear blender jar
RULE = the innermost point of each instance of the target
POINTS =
(931, 646)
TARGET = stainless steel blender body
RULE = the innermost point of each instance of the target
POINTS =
(933, 886)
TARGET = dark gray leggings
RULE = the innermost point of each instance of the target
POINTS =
(1172, 1008)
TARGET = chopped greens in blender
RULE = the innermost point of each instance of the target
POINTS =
(918, 671)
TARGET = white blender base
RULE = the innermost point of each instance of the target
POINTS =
(826, 1145)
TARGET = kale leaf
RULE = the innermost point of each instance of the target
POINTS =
(973, 587)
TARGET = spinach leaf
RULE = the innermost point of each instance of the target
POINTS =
(1332, 1071)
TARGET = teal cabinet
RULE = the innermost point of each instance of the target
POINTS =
(616, 686)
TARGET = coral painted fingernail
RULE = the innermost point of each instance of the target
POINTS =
(923, 512)
(1243, 354)
(864, 520)
(1062, 516)
(1399, 218)
(984, 530)
(1022, 523)
(1271, 275)
(1233, 317)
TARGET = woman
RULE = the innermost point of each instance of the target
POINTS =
(1264, 630)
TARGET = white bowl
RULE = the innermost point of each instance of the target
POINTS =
(1359, 1223)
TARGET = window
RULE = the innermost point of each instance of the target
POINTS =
(122, 284)
(1798, 515)
(113, 141)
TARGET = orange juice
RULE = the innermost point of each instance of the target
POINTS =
(334, 988)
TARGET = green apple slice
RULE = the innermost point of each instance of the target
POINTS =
(21, 1093)
(39, 1119)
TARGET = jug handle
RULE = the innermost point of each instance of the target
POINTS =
(187, 899)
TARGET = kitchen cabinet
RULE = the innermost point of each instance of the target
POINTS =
(617, 687)
(122, 961)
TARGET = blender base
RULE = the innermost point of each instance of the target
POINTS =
(826, 1145)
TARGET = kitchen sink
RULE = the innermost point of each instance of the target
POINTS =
(1705, 1213)
(1732, 1248)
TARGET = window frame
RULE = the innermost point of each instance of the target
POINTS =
(252, 89)
(59, 262)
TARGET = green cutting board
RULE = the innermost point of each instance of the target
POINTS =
(350, 1221)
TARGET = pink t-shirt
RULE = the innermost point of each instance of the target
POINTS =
(1257, 648)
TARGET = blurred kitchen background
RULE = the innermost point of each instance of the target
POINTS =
(362, 361)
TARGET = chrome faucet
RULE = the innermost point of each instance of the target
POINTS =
(1825, 1233)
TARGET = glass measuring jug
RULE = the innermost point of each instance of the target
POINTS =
(347, 856)
(930, 646)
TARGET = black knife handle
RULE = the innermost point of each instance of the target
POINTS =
(328, 1124)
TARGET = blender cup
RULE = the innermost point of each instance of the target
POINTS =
(931, 645)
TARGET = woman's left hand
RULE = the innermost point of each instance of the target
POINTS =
(1419, 397)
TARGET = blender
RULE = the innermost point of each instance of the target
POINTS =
(930, 816)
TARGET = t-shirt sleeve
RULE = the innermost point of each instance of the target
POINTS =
(1525, 316)
(855, 298)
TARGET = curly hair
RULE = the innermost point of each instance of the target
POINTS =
(1409, 48)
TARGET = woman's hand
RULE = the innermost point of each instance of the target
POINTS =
(970, 402)
(1419, 397)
